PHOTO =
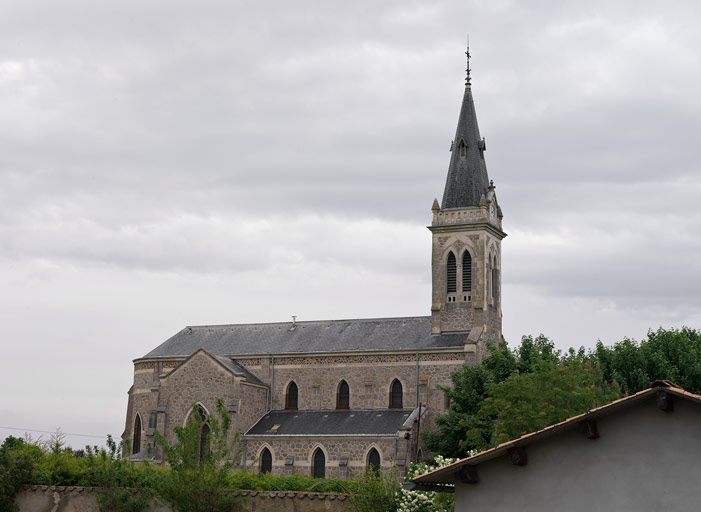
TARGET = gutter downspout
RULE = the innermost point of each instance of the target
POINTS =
(417, 380)
(272, 381)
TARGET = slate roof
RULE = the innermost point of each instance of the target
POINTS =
(319, 423)
(408, 333)
(467, 177)
(237, 369)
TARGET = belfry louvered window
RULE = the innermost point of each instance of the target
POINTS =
(495, 277)
(452, 274)
(466, 272)
(291, 399)
(343, 396)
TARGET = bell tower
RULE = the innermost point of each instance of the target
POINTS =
(467, 235)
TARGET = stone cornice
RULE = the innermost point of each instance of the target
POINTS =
(471, 226)
(282, 355)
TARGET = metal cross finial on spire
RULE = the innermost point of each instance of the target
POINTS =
(467, 52)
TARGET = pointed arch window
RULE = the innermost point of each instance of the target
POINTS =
(374, 462)
(319, 464)
(466, 272)
(343, 396)
(266, 461)
(495, 278)
(452, 274)
(291, 397)
(136, 443)
(396, 396)
(200, 415)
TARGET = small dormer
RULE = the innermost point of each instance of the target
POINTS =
(462, 148)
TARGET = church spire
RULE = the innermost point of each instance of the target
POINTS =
(467, 174)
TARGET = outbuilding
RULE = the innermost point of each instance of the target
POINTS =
(639, 453)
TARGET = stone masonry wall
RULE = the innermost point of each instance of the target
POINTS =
(203, 380)
(302, 448)
(369, 379)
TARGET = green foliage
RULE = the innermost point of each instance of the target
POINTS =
(53, 462)
(550, 393)
(666, 354)
(118, 479)
(16, 468)
(511, 393)
(191, 484)
(424, 501)
(375, 493)
(255, 481)
(470, 387)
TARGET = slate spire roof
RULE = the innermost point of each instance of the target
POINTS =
(467, 174)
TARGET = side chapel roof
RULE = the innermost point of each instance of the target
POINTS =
(335, 423)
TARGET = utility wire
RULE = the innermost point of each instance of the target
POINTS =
(54, 432)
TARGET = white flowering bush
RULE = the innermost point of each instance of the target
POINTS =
(423, 501)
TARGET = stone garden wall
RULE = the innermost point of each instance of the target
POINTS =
(42, 498)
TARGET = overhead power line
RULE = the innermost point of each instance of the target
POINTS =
(54, 432)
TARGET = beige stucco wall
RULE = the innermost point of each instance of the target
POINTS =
(644, 460)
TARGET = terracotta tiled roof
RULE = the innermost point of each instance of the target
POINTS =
(445, 474)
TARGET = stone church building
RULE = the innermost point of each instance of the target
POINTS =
(331, 398)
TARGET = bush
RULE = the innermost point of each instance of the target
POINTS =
(267, 482)
(375, 493)
(425, 501)
(16, 468)
(117, 479)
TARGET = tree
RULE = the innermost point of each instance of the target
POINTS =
(552, 392)
(199, 464)
(666, 354)
(471, 385)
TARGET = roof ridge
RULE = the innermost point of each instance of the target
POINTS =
(209, 326)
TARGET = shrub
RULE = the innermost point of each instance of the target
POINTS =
(117, 479)
(375, 493)
(16, 468)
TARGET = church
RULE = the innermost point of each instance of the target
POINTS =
(332, 398)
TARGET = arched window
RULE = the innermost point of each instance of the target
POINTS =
(136, 444)
(494, 279)
(374, 462)
(203, 440)
(396, 395)
(466, 272)
(291, 398)
(266, 461)
(319, 464)
(343, 396)
(200, 415)
(452, 274)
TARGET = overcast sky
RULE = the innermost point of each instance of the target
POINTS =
(170, 163)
